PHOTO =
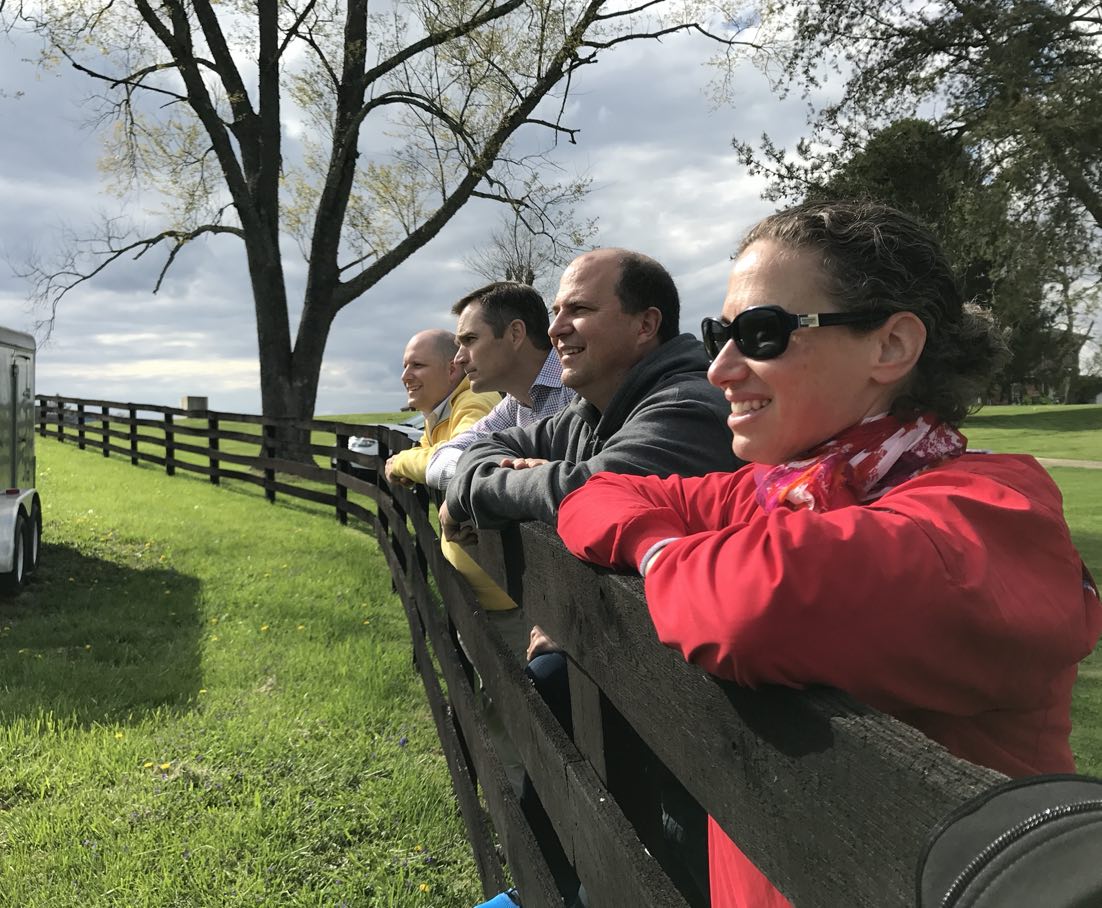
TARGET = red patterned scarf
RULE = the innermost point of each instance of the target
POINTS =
(858, 465)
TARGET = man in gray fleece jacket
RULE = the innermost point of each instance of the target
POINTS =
(644, 404)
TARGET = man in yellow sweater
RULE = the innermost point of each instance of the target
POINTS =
(437, 387)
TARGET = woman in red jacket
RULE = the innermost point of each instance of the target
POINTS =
(862, 547)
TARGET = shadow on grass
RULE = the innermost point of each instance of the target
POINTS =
(97, 641)
(1056, 419)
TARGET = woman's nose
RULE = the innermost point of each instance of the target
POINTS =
(728, 366)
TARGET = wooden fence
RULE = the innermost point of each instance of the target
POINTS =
(830, 798)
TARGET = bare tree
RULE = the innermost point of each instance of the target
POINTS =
(531, 250)
(404, 115)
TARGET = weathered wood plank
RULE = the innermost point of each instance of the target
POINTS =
(470, 809)
(610, 859)
(830, 798)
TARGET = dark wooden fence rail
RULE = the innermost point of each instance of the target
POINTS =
(830, 798)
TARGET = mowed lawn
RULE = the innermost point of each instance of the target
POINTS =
(207, 700)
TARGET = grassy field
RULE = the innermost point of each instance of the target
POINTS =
(1073, 433)
(207, 700)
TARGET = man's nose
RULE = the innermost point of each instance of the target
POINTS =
(560, 324)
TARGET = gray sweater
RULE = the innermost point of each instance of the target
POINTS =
(664, 419)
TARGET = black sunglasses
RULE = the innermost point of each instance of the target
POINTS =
(762, 332)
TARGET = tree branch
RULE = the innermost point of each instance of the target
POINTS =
(51, 284)
(437, 38)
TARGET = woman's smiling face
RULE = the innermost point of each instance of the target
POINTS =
(821, 384)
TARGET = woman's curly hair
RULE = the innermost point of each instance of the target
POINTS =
(879, 260)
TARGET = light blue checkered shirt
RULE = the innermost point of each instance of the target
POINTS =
(548, 395)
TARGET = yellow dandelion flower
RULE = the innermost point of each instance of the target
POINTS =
(166, 766)
(202, 690)
(418, 847)
(119, 734)
(367, 621)
(301, 627)
(424, 887)
(148, 764)
(263, 628)
(87, 645)
(214, 638)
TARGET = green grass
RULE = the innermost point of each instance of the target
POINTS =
(204, 697)
(1082, 490)
(1073, 432)
(207, 700)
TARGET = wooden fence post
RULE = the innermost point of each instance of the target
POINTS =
(43, 405)
(268, 434)
(170, 446)
(133, 436)
(60, 421)
(212, 448)
(342, 466)
(105, 424)
(80, 426)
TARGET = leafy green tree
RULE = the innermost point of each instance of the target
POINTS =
(1019, 81)
(1017, 84)
(1031, 258)
(913, 166)
(401, 115)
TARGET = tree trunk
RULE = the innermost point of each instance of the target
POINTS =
(288, 378)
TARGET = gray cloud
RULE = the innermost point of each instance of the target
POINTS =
(665, 181)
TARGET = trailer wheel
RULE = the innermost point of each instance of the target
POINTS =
(34, 539)
(11, 581)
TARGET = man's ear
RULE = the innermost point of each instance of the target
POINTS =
(650, 324)
(455, 372)
(516, 332)
(900, 342)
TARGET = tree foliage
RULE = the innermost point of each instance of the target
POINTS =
(1012, 90)
(1019, 81)
(356, 133)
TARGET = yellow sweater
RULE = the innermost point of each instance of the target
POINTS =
(463, 410)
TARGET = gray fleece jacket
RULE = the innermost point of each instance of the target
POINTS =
(664, 419)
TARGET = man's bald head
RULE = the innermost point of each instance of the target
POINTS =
(439, 340)
(428, 371)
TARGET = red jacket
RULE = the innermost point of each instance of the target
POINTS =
(956, 603)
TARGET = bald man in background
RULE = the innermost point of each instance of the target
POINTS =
(437, 387)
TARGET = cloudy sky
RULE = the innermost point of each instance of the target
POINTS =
(665, 182)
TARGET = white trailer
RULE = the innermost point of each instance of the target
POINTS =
(20, 506)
